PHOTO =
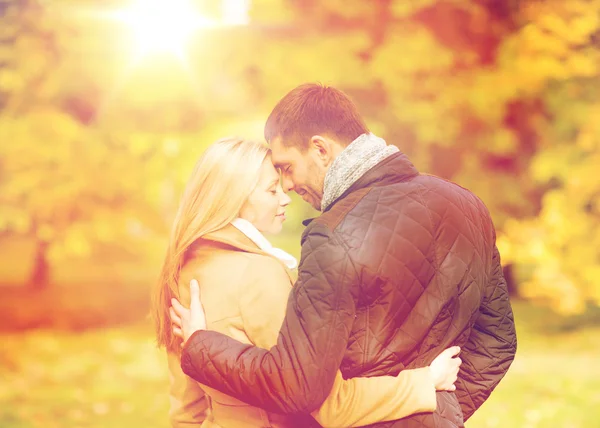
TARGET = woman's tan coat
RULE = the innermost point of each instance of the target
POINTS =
(244, 292)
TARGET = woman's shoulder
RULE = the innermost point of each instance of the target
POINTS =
(215, 258)
(264, 263)
(209, 256)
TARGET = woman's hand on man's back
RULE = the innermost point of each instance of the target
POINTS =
(444, 369)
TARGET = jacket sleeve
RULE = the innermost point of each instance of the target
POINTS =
(491, 347)
(189, 405)
(297, 374)
(352, 402)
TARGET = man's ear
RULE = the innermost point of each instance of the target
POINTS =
(322, 149)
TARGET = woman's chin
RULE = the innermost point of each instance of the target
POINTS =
(276, 228)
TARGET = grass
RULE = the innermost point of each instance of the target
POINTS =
(554, 379)
(100, 378)
(116, 378)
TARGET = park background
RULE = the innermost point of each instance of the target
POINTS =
(106, 105)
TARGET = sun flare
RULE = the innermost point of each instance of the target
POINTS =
(162, 26)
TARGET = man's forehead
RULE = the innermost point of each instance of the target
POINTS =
(279, 153)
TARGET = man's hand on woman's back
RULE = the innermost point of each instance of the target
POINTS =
(187, 321)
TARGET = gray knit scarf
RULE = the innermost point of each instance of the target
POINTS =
(359, 157)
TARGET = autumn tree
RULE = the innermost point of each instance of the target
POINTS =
(500, 97)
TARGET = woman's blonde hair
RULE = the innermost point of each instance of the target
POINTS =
(223, 178)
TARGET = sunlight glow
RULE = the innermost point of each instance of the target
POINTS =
(158, 27)
(163, 26)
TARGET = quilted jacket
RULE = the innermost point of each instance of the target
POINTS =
(400, 267)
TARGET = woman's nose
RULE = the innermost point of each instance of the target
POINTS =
(285, 200)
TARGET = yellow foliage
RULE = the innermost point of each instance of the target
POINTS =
(91, 139)
(402, 8)
(549, 284)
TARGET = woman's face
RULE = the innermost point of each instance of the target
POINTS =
(265, 207)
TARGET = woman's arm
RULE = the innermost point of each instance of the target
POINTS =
(365, 401)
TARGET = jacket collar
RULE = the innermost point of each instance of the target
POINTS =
(361, 155)
(397, 168)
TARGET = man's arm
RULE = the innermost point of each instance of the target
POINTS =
(353, 402)
(491, 347)
(296, 375)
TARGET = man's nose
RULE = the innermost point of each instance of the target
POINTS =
(288, 184)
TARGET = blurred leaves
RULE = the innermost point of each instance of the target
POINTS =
(501, 97)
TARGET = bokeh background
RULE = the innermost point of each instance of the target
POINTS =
(106, 105)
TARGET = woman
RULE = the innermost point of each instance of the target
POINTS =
(233, 196)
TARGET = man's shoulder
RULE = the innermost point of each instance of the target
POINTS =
(449, 193)
(383, 203)
(332, 218)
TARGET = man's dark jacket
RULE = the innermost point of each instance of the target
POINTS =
(400, 267)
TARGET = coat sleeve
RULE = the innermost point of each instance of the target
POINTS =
(352, 402)
(189, 405)
(297, 374)
(491, 347)
(364, 401)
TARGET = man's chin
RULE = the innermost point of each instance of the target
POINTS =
(310, 201)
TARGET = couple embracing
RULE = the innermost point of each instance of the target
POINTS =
(396, 315)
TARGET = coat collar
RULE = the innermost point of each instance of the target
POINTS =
(234, 238)
(263, 243)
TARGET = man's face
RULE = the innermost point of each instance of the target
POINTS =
(300, 171)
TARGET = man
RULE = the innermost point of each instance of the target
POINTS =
(398, 267)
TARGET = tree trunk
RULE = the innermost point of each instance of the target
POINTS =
(40, 274)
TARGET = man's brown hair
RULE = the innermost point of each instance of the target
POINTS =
(314, 109)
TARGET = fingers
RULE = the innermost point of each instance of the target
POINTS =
(178, 332)
(194, 289)
(451, 352)
(177, 307)
(175, 319)
(195, 306)
(453, 374)
(447, 364)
